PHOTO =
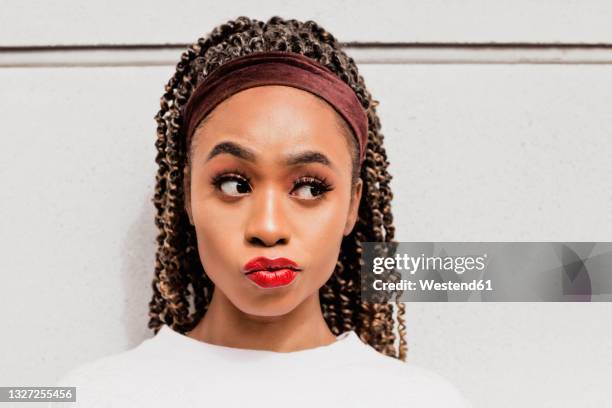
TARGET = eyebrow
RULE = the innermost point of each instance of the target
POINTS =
(241, 152)
(232, 148)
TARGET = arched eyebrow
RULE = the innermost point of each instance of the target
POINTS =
(244, 153)
(234, 149)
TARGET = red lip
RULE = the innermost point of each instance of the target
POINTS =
(270, 273)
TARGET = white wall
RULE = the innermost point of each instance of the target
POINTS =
(485, 144)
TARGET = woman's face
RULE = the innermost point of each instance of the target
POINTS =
(270, 177)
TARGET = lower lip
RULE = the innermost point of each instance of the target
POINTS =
(272, 279)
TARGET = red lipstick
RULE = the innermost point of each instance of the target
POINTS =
(271, 273)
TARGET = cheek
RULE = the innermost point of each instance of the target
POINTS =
(321, 233)
(214, 223)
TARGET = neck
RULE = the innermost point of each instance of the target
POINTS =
(226, 325)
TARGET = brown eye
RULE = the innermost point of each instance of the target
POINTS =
(232, 185)
(310, 188)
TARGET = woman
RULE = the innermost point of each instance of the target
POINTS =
(272, 174)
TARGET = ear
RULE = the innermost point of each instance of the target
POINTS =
(187, 190)
(351, 219)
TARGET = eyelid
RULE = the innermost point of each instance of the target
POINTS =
(229, 174)
(310, 179)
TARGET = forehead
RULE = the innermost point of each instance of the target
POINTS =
(275, 119)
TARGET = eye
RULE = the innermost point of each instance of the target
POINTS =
(232, 184)
(310, 188)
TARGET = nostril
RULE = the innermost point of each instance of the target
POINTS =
(257, 241)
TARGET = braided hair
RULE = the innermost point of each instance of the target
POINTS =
(182, 290)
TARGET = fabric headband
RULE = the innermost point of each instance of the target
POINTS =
(276, 68)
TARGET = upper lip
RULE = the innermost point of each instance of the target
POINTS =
(261, 263)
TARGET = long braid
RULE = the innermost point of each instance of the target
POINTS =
(181, 289)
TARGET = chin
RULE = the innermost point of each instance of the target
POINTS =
(268, 305)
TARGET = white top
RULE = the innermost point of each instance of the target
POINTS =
(173, 370)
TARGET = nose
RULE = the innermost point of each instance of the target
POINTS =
(267, 224)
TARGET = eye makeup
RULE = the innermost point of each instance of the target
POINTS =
(235, 182)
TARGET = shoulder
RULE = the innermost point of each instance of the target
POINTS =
(111, 366)
(105, 368)
(100, 377)
(411, 382)
(120, 377)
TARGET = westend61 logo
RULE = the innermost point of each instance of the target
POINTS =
(411, 264)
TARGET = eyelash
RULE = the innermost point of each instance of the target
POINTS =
(320, 182)
(218, 179)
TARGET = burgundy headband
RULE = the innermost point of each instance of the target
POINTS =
(276, 68)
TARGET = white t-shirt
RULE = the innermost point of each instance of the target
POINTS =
(173, 370)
